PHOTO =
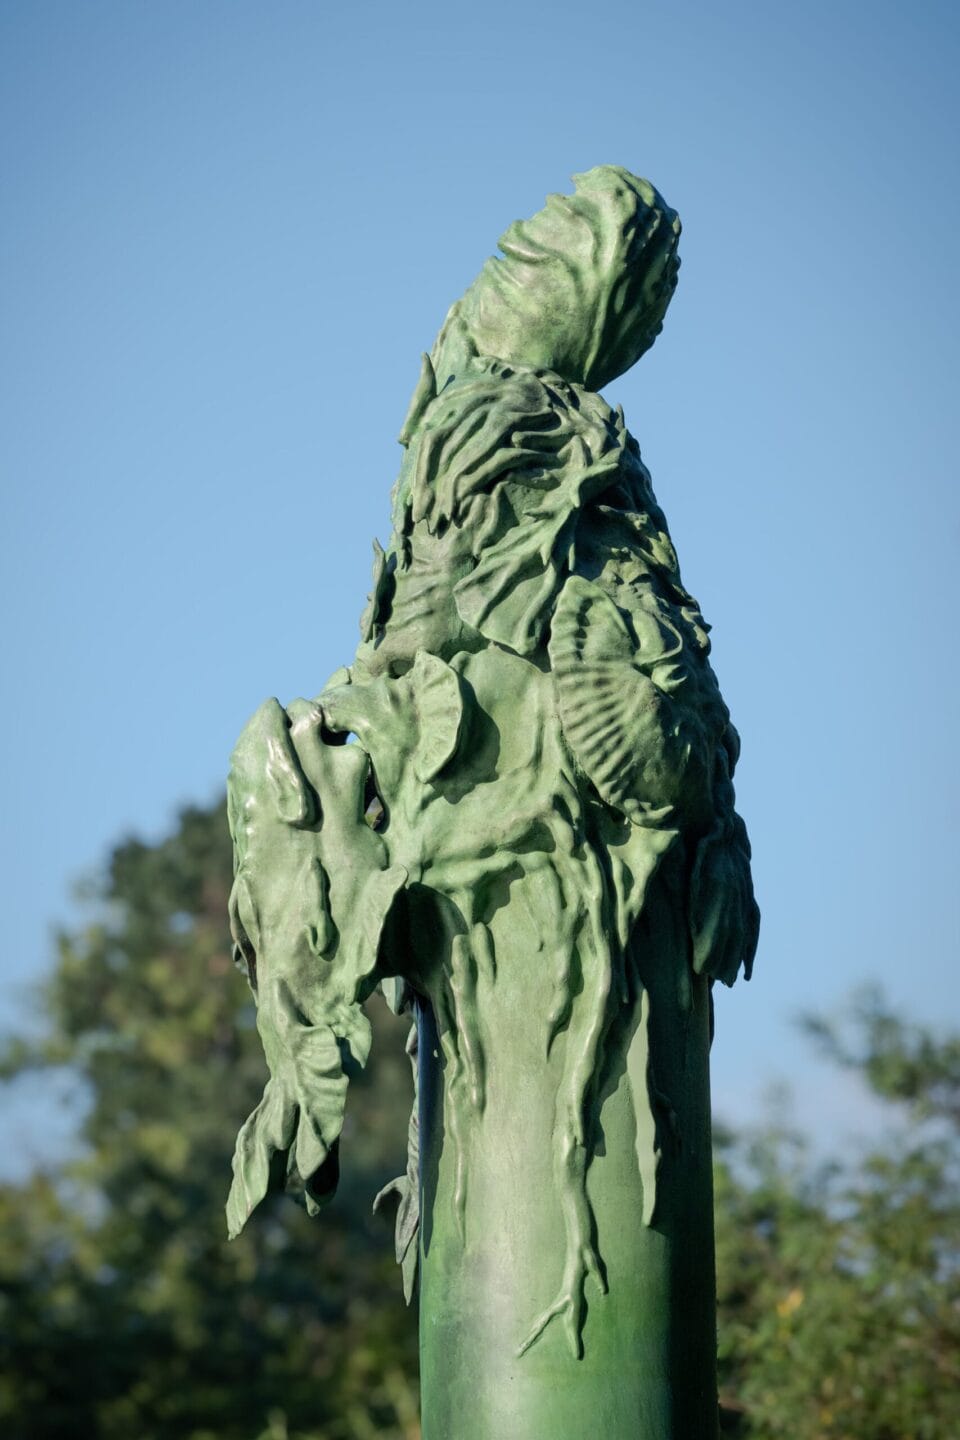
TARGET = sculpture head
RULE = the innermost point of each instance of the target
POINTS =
(581, 288)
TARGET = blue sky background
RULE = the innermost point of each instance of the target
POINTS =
(229, 230)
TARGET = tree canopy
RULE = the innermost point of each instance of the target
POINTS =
(840, 1281)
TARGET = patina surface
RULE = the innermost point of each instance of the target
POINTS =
(514, 812)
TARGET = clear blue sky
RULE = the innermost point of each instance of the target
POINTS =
(229, 229)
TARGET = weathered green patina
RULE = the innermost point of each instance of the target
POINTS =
(531, 842)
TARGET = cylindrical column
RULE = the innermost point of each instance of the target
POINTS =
(647, 1370)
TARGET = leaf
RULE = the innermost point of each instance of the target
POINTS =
(267, 1132)
(397, 993)
(507, 596)
(265, 751)
(424, 392)
(724, 917)
(439, 705)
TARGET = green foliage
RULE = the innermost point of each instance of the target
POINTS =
(123, 1309)
(840, 1285)
(898, 1060)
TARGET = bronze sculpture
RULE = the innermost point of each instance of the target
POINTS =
(532, 844)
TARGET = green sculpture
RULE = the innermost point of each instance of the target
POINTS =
(530, 842)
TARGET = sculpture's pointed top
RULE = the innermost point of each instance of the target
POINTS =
(581, 288)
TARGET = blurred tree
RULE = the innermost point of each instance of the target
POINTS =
(840, 1283)
(123, 1309)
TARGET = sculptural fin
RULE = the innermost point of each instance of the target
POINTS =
(406, 1188)
(424, 392)
(724, 916)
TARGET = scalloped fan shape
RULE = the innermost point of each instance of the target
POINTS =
(625, 734)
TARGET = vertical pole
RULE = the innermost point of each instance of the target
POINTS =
(647, 1370)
